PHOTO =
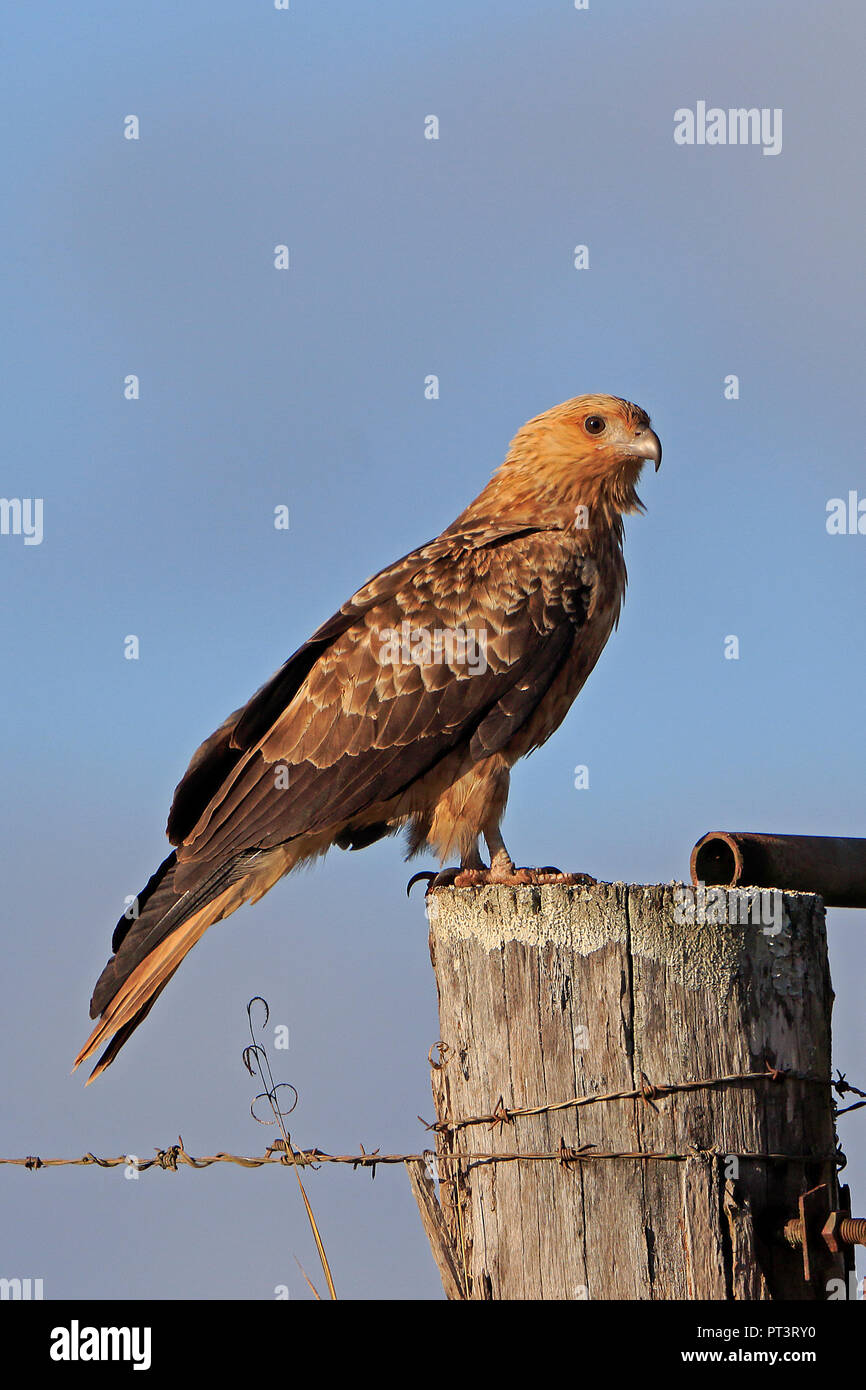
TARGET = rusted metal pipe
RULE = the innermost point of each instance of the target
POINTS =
(829, 865)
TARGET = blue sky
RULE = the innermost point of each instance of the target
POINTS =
(306, 387)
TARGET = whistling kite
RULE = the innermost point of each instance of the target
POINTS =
(408, 707)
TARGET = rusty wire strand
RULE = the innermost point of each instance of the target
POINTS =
(169, 1159)
(284, 1152)
(842, 1087)
(646, 1092)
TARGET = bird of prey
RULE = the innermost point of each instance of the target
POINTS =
(407, 708)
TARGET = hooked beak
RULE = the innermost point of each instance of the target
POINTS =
(647, 445)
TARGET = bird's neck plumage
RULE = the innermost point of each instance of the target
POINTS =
(539, 487)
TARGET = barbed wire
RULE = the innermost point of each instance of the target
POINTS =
(283, 1152)
(647, 1092)
(169, 1159)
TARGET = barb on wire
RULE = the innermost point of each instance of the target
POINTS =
(282, 1150)
(843, 1087)
(648, 1092)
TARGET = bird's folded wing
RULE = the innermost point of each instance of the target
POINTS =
(378, 697)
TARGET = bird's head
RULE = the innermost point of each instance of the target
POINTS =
(599, 434)
(588, 451)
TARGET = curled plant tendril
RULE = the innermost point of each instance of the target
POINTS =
(255, 1057)
(271, 1097)
(257, 999)
(254, 1051)
(444, 1055)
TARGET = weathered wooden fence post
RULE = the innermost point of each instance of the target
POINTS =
(553, 994)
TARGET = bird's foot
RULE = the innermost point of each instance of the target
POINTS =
(446, 878)
(548, 874)
(498, 873)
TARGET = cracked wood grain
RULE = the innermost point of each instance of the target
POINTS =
(551, 992)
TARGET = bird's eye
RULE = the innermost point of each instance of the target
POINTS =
(595, 424)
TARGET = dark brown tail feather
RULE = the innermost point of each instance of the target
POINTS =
(150, 947)
(121, 1036)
